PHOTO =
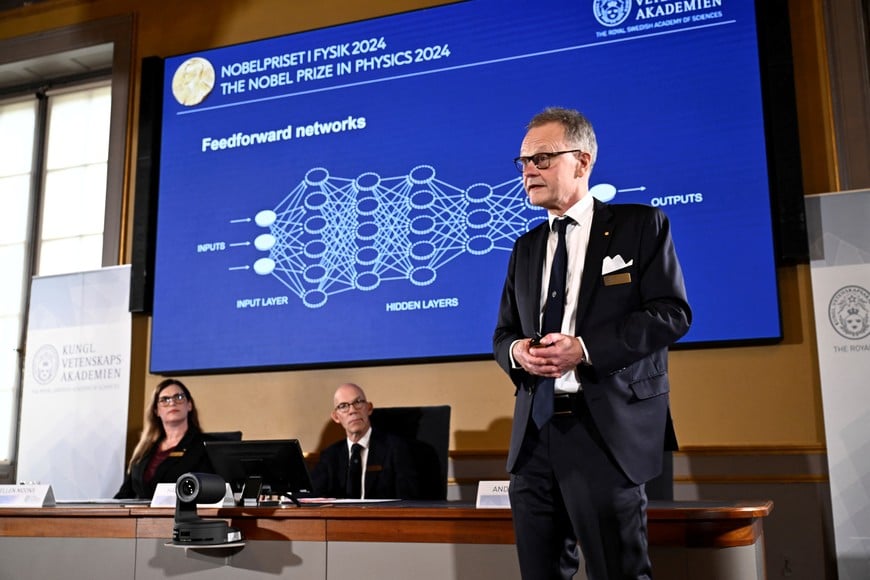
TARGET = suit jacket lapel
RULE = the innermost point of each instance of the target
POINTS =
(600, 235)
(377, 454)
(343, 459)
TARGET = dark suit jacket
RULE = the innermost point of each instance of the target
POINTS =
(188, 456)
(627, 320)
(390, 469)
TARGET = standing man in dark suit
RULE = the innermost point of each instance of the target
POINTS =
(592, 407)
(385, 465)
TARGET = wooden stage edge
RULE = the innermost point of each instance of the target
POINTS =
(695, 524)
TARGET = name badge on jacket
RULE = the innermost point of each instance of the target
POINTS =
(614, 279)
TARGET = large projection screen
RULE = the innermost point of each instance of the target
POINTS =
(346, 195)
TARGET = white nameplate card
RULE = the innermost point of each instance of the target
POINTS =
(493, 494)
(26, 495)
(164, 496)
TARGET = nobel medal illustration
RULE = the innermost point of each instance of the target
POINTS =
(193, 81)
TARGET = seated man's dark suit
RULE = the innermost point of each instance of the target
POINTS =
(390, 469)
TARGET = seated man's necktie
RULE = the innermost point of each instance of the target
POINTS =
(354, 472)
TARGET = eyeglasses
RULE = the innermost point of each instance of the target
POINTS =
(171, 399)
(541, 160)
(345, 407)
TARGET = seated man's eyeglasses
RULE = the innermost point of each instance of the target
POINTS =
(171, 399)
(345, 407)
(541, 160)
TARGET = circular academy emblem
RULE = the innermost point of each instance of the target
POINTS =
(611, 12)
(45, 364)
(849, 312)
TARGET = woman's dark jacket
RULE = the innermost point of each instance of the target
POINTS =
(189, 455)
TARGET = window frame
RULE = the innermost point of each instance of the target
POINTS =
(117, 31)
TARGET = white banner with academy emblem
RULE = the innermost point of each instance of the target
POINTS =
(839, 233)
(76, 383)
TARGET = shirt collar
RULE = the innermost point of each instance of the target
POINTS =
(579, 212)
(364, 440)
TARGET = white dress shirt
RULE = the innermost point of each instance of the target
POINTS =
(363, 457)
(577, 240)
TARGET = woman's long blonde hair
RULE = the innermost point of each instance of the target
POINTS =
(153, 430)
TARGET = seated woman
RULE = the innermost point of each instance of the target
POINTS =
(170, 445)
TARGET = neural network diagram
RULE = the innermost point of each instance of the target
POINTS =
(336, 234)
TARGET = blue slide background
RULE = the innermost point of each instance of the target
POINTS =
(419, 208)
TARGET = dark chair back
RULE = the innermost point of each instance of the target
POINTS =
(429, 430)
(222, 436)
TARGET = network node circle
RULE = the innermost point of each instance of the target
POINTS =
(368, 181)
(367, 281)
(264, 266)
(478, 192)
(603, 191)
(479, 245)
(422, 199)
(314, 298)
(421, 225)
(315, 200)
(314, 273)
(478, 219)
(315, 224)
(264, 242)
(367, 231)
(421, 174)
(422, 250)
(314, 249)
(423, 276)
(316, 176)
(265, 218)
(368, 205)
(367, 256)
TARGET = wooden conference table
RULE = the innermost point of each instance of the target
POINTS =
(421, 541)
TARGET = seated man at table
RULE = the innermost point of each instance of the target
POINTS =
(368, 463)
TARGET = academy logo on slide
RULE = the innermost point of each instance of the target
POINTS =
(849, 312)
(611, 12)
(193, 81)
(45, 364)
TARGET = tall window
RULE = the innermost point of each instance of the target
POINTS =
(17, 121)
(53, 160)
(74, 193)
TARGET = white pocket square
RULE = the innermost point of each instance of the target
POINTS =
(613, 264)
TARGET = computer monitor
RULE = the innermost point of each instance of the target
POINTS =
(279, 463)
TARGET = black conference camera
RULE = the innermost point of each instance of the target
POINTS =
(190, 529)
